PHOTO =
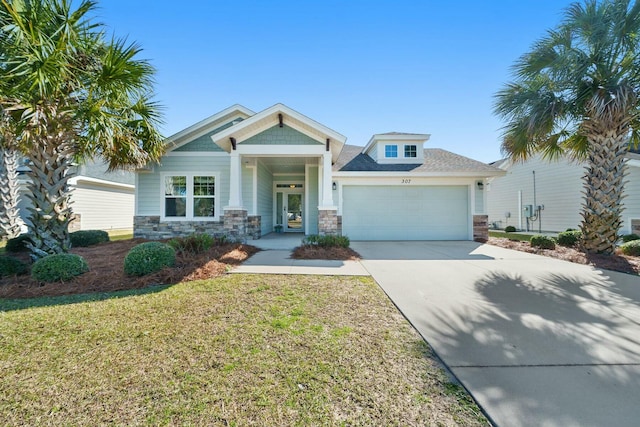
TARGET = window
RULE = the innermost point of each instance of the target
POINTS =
(410, 151)
(391, 151)
(190, 196)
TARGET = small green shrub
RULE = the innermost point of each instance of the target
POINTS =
(326, 241)
(18, 244)
(58, 267)
(10, 266)
(569, 238)
(509, 229)
(149, 257)
(630, 237)
(542, 241)
(196, 243)
(631, 248)
(83, 238)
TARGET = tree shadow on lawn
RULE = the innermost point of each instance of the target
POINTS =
(106, 271)
(584, 331)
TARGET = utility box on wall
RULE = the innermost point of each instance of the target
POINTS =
(527, 211)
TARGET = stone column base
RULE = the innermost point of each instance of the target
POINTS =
(254, 226)
(235, 223)
(327, 221)
(480, 228)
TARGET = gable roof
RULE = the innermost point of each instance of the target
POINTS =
(205, 126)
(436, 161)
(270, 117)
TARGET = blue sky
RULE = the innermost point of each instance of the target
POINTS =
(358, 67)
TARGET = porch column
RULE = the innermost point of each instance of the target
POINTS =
(327, 193)
(235, 182)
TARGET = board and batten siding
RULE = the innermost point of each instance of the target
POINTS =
(149, 186)
(558, 188)
(247, 189)
(312, 200)
(102, 207)
(265, 199)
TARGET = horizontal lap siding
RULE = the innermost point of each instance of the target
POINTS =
(103, 208)
(265, 199)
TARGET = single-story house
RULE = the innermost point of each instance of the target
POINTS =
(247, 174)
(546, 196)
(100, 200)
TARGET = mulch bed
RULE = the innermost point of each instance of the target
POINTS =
(317, 252)
(618, 262)
(106, 274)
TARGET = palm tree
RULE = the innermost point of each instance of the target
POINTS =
(576, 93)
(70, 94)
(10, 222)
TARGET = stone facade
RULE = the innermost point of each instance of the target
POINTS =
(339, 225)
(327, 221)
(235, 223)
(480, 228)
(254, 226)
(150, 227)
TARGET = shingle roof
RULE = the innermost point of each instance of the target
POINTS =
(435, 160)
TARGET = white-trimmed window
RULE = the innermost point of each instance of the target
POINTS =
(190, 196)
(410, 151)
(391, 151)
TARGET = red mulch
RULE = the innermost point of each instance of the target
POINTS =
(106, 270)
(618, 262)
(317, 252)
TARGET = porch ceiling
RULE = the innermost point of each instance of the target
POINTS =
(287, 164)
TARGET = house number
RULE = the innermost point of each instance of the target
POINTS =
(406, 180)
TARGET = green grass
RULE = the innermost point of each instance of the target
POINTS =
(120, 234)
(234, 351)
(512, 236)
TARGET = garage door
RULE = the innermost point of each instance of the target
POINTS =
(405, 213)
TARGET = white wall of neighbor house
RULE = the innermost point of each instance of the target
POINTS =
(558, 188)
(103, 207)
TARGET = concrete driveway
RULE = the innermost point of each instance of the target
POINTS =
(537, 341)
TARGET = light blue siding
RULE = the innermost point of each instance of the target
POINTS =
(148, 191)
(265, 199)
(312, 192)
(280, 136)
(289, 179)
(204, 142)
(247, 189)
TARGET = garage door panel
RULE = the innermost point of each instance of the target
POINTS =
(405, 213)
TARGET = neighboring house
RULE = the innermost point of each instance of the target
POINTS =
(551, 193)
(100, 200)
(247, 174)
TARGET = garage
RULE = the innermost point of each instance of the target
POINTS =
(405, 213)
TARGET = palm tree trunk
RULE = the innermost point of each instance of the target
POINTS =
(50, 171)
(603, 186)
(10, 221)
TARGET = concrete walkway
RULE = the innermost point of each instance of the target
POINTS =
(537, 341)
(275, 258)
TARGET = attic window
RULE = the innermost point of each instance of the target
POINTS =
(391, 151)
(410, 151)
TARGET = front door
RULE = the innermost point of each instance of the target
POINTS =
(293, 209)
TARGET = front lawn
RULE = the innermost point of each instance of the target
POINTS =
(232, 351)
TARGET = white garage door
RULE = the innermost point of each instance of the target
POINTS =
(405, 213)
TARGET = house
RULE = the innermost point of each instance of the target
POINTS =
(247, 174)
(100, 200)
(546, 196)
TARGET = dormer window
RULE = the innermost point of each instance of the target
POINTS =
(410, 151)
(391, 151)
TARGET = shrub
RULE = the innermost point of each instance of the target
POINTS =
(569, 238)
(10, 266)
(18, 244)
(630, 237)
(196, 243)
(631, 248)
(88, 238)
(509, 229)
(326, 241)
(542, 241)
(149, 257)
(58, 267)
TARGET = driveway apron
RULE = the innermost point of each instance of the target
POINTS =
(537, 341)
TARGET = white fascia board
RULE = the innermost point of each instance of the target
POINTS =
(78, 179)
(478, 175)
(281, 150)
(202, 127)
(253, 122)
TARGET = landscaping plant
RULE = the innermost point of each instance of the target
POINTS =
(542, 241)
(630, 237)
(569, 238)
(326, 241)
(509, 229)
(149, 257)
(196, 243)
(10, 266)
(84, 238)
(58, 267)
(18, 244)
(631, 248)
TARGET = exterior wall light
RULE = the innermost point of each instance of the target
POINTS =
(334, 186)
